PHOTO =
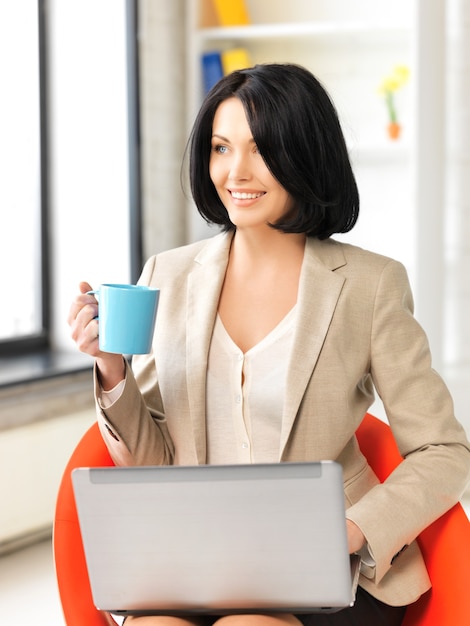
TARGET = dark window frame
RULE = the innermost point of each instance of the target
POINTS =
(133, 116)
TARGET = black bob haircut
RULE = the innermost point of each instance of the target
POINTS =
(297, 132)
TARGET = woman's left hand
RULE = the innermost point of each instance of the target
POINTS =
(356, 539)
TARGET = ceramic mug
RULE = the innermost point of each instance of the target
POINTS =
(126, 317)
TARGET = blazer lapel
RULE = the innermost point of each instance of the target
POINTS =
(204, 287)
(319, 290)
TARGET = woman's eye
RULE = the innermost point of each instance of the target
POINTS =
(220, 149)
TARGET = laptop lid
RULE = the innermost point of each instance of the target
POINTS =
(216, 539)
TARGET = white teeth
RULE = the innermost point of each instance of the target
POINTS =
(245, 196)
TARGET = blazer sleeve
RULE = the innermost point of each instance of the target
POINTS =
(134, 427)
(420, 411)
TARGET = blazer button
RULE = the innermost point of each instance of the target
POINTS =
(398, 553)
(111, 433)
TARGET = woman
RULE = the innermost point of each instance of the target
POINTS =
(271, 338)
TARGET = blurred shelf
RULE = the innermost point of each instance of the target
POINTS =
(332, 30)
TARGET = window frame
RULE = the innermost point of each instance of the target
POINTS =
(134, 157)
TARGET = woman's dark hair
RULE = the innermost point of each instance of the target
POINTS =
(297, 132)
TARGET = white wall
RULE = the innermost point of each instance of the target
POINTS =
(34, 456)
(163, 131)
(457, 208)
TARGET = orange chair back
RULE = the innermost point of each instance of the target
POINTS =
(71, 570)
(445, 544)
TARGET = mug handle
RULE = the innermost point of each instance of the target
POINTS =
(93, 293)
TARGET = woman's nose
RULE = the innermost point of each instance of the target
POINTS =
(239, 168)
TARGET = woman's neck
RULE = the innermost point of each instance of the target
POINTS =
(261, 284)
(267, 246)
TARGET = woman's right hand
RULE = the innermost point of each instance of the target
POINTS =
(83, 321)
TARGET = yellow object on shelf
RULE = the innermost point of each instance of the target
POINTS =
(231, 12)
(235, 59)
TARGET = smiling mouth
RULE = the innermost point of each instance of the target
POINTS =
(242, 195)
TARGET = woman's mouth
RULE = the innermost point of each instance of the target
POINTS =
(244, 195)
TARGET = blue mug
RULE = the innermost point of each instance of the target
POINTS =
(126, 318)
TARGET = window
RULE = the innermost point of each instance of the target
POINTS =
(23, 189)
(86, 159)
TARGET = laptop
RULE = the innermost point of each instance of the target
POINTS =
(218, 539)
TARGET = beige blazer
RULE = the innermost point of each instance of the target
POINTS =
(354, 331)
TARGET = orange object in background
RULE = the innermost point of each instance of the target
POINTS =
(394, 130)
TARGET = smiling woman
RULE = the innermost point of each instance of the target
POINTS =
(312, 166)
(272, 338)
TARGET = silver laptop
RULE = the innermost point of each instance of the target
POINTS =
(216, 539)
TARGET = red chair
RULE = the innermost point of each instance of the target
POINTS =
(71, 570)
(445, 544)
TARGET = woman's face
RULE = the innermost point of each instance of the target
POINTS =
(246, 187)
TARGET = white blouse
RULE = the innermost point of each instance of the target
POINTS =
(245, 395)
